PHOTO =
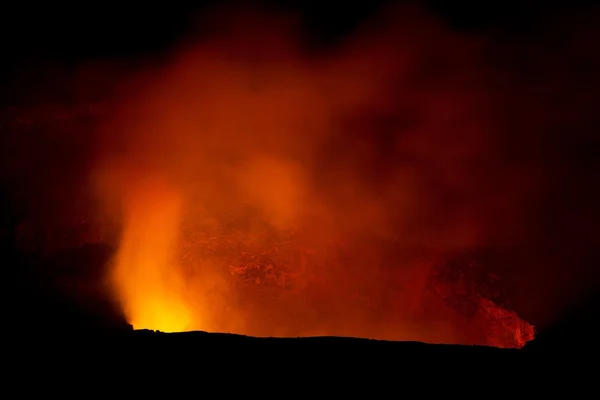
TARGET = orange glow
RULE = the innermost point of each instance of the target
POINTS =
(151, 295)
(259, 193)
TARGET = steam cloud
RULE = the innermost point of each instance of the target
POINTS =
(392, 133)
(390, 137)
(405, 133)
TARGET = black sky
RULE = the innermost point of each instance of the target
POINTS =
(34, 35)
(32, 31)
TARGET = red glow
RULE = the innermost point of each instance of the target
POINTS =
(267, 191)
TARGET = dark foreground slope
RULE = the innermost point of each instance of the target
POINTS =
(231, 365)
(243, 354)
(236, 364)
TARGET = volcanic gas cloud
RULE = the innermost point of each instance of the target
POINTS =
(267, 187)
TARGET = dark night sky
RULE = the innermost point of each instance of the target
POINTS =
(81, 30)
(33, 36)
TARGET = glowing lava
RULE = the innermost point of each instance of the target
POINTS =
(151, 296)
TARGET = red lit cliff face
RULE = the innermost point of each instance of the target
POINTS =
(265, 190)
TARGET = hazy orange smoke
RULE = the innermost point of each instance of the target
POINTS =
(385, 142)
(150, 294)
